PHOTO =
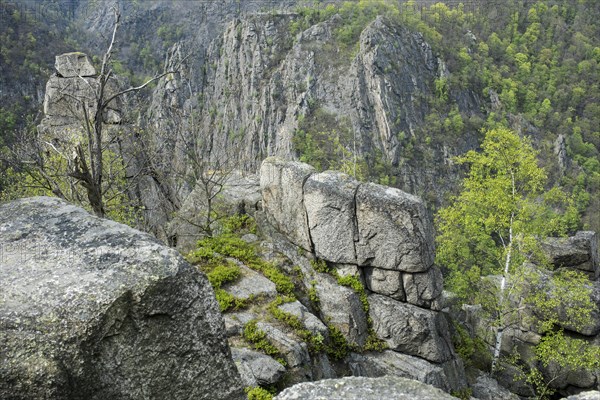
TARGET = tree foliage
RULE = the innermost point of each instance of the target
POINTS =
(490, 233)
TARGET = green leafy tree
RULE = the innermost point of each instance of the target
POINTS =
(493, 228)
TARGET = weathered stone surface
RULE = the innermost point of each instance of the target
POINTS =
(294, 352)
(393, 230)
(256, 368)
(235, 322)
(343, 308)
(559, 378)
(422, 289)
(93, 309)
(507, 377)
(592, 395)
(386, 282)
(348, 270)
(60, 106)
(361, 388)
(579, 251)
(487, 388)
(75, 64)
(329, 202)
(410, 329)
(251, 284)
(309, 321)
(281, 183)
(322, 367)
(397, 364)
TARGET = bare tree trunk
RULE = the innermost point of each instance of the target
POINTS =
(505, 275)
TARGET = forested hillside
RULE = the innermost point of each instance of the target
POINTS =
(533, 64)
(529, 65)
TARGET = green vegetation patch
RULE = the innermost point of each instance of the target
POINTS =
(259, 341)
(258, 393)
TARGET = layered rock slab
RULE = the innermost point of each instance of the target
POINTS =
(447, 377)
(361, 388)
(76, 64)
(330, 207)
(282, 186)
(393, 230)
(93, 309)
(410, 329)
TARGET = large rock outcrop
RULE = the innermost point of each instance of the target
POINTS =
(381, 229)
(360, 388)
(578, 252)
(92, 309)
(71, 98)
(380, 236)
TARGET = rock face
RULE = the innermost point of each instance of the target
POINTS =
(410, 329)
(392, 363)
(256, 368)
(579, 252)
(282, 186)
(378, 236)
(329, 198)
(487, 388)
(393, 230)
(381, 229)
(71, 65)
(73, 89)
(360, 388)
(94, 309)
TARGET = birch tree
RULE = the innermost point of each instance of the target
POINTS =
(492, 229)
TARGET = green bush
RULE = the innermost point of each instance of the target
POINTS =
(258, 393)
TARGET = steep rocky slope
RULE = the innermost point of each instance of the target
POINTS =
(326, 294)
(262, 87)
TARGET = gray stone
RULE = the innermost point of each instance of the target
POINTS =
(385, 282)
(322, 367)
(112, 117)
(235, 322)
(93, 309)
(329, 202)
(256, 369)
(591, 395)
(76, 64)
(487, 388)
(394, 232)
(560, 378)
(422, 289)
(348, 270)
(281, 183)
(579, 251)
(60, 106)
(410, 329)
(250, 238)
(361, 388)
(293, 351)
(342, 307)
(509, 377)
(309, 321)
(393, 363)
(250, 285)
